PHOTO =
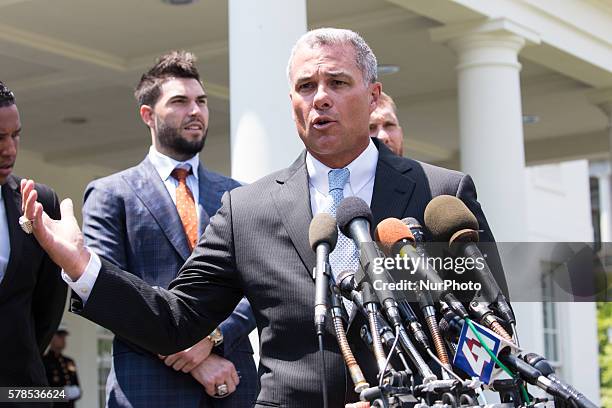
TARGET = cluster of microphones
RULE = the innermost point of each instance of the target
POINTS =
(445, 355)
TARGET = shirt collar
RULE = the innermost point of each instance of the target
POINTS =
(362, 170)
(164, 164)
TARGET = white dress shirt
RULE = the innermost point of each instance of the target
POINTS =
(164, 166)
(360, 184)
(5, 242)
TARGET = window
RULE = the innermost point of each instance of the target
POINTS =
(595, 211)
(550, 319)
(105, 356)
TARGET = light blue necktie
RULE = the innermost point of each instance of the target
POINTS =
(344, 256)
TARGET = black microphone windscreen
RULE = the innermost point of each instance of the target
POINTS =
(412, 222)
(349, 209)
(445, 215)
(323, 228)
(346, 281)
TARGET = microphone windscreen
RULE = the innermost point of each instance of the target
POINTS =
(323, 228)
(412, 222)
(390, 231)
(346, 281)
(349, 209)
(445, 215)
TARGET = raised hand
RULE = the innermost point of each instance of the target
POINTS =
(62, 239)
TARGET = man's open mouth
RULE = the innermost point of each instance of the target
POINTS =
(194, 126)
(322, 122)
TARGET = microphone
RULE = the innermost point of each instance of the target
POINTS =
(424, 297)
(337, 318)
(323, 235)
(417, 233)
(483, 313)
(534, 376)
(449, 220)
(345, 281)
(396, 237)
(346, 284)
(541, 364)
(354, 219)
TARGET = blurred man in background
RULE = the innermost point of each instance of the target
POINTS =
(385, 126)
(61, 370)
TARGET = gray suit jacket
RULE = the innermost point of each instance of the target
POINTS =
(130, 219)
(257, 246)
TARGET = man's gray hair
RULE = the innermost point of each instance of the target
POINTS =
(364, 57)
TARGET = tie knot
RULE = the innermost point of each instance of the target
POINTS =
(337, 178)
(180, 174)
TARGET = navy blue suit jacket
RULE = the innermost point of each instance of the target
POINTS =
(130, 220)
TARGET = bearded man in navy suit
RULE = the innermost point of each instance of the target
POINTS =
(146, 220)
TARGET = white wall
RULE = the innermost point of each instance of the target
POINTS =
(558, 210)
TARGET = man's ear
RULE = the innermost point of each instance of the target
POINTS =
(146, 114)
(376, 89)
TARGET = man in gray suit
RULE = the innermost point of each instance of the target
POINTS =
(257, 243)
(146, 220)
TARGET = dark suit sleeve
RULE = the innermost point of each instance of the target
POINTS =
(166, 321)
(104, 224)
(49, 296)
(241, 322)
(467, 193)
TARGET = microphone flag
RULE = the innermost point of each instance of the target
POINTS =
(471, 356)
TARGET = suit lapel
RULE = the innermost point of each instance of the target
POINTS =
(149, 187)
(292, 201)
(393, 186)
(12, 200)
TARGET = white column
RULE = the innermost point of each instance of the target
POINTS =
(263, 134)
(490, 117)
(605, 204)
(602, 98)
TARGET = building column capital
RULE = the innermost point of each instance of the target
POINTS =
(486, 42)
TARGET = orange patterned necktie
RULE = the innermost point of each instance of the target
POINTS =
(185, 205)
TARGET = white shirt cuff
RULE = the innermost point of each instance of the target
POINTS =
(83, 286)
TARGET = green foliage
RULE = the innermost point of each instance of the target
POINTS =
(604, 322)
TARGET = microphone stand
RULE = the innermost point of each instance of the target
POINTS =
(370, 304)
(347, 354)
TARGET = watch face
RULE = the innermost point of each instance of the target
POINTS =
(216, 337)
